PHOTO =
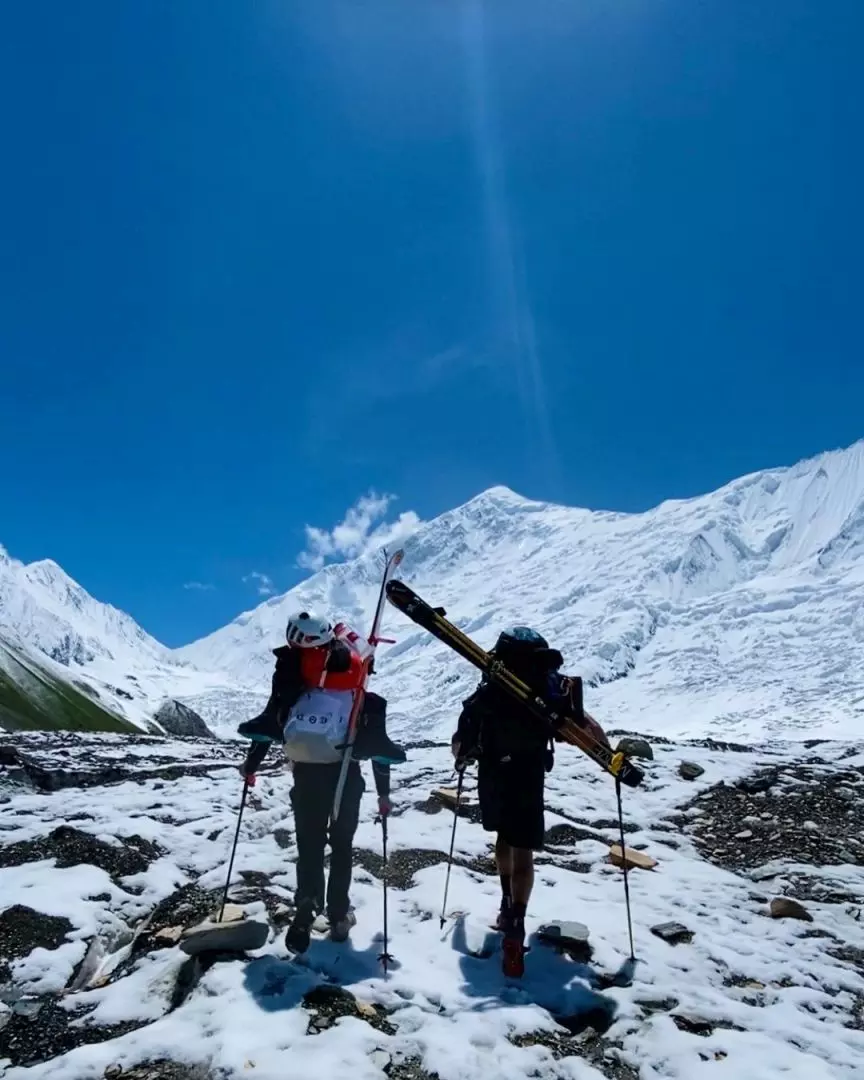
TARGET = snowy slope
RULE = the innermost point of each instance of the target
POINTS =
(82, 639)
(39, 693)
(750, 998)
(737, 612)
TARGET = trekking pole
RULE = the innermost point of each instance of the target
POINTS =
(624, 976)
(452, 843)
(234, 846)
(385, 956)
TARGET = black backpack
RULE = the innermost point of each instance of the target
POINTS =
(500, 727)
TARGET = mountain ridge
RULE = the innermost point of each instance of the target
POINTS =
(681, 601)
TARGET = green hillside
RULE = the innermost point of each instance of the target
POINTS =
(33, 698)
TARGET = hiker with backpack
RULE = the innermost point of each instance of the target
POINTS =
(514, 751)
(317, 675)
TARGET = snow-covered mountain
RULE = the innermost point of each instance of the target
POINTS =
(737, 612)
(56, 615)
(97, 646)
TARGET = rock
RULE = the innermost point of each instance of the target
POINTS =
(673, 933)
(380, 1058)
(763, 873)
(169, 935)
(29, 1008)
(366, 1010)
(327, 995)
(689, 770)
(633, 859)
(632, 747)
(282, 838)
(448, 797)
(784, 908)
(179, 719)
(657, 1004)
(113, 1072)
(564, 933)
(243, 936)
(745, 834)
(231, 913)
(693, 1025)
(322, 1022)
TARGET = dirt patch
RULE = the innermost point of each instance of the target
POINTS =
(71, 847)
(161, 1070)
(567, 835)
(48, 1031)
(333, 1002)
(404, 863)
(594, 1049)
(802, 813)
(22, 930)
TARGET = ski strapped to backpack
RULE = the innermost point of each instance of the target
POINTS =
(390, 564)
(565, 727)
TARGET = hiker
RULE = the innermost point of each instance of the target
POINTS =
(316, 678)
(514, 751)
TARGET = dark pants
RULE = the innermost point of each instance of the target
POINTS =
(312, 800)
(511, 796)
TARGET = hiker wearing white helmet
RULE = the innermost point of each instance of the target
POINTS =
(317, 676)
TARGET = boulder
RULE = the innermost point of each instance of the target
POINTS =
(689, 770)
(179, 719)
(784, 908)
(633, 747)
(244, 935)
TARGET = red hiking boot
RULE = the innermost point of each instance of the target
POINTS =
(513, 962)
(513, 947)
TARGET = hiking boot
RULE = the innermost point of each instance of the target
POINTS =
(513, 948)
(299, 933)
(341, 928)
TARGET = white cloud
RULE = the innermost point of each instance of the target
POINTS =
(263, 584)
(361, 530)
(199, 586)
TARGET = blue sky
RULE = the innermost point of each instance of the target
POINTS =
(261, 259)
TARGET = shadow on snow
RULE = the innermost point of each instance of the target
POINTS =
(278, 984)
(552, 981)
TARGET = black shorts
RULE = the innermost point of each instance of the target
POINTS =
(511, 796)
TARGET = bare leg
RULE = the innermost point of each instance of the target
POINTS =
(522, 878)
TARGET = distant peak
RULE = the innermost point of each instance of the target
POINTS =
(48, 570)
(500, 494)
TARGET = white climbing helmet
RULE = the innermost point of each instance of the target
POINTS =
(306, 630)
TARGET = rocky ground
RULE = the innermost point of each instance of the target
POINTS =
(112, 847)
